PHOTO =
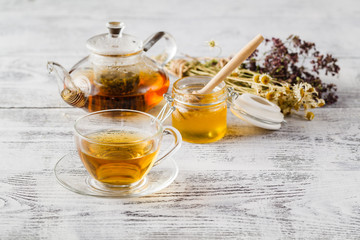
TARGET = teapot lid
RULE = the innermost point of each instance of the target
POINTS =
(115, 42)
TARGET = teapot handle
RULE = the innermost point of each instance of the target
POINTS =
(170, 46)
(79, 63)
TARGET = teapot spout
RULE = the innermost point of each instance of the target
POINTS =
(69, 92)
(62, 75)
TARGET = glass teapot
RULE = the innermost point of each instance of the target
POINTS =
(117, 74)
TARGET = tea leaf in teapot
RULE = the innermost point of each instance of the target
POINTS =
(114, 83)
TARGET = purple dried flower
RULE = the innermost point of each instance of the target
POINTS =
(282, 63)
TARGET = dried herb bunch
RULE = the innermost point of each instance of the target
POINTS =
(277, 77)
(295, 61)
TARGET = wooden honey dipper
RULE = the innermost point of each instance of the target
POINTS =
(239, 58)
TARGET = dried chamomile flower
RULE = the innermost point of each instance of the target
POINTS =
(256, 78)
(265, 79)
(302, 92)
(309, 116)
(299, 91)
(212, 43)
(321, 102)
(270, 95)
(310, 90)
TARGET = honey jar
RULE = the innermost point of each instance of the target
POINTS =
(200, 118)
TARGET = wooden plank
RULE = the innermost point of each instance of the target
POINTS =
(210, 204)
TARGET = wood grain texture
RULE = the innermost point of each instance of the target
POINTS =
(209, 204)
(301, 182)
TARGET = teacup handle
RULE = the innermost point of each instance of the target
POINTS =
(177, 143)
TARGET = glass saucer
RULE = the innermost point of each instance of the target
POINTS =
(71, 174)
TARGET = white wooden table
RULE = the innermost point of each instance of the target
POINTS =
(302, 182)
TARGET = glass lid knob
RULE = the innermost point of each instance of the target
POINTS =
(115, 28)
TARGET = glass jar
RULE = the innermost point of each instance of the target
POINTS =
(200, 118)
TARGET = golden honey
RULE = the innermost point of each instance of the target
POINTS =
(200, 118)
(201, 125)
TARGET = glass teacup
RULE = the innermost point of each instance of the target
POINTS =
(119, 147)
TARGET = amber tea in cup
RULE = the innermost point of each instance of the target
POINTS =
(123, 164)
(119, 147)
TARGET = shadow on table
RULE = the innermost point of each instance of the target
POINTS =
(244, 130)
